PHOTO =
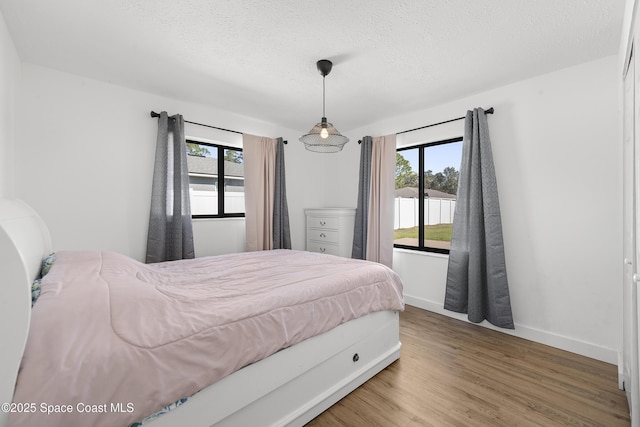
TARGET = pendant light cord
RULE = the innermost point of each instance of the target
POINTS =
(323, 113)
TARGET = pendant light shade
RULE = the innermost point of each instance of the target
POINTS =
(324, 137)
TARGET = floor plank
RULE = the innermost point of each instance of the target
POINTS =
(453, 373)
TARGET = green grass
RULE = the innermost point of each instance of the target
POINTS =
(431, 232)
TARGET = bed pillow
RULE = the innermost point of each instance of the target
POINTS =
(47, 263)
(35, 291)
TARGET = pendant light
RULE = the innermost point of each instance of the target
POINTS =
(323, 137)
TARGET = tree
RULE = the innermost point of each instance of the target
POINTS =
(450, 184)
(234, 156)
(429, 177)
(405, 176)
(197, 150)
(445, 181)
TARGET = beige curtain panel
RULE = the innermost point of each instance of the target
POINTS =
(381, 194)
(259, 183)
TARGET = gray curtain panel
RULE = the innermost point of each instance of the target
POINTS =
(170, 234)
(281, 231)
(359, 249)
(477, 275)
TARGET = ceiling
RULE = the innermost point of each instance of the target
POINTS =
(257, 57)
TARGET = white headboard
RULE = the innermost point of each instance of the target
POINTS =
(24, 242)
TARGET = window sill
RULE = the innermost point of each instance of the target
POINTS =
(420, 253)
(228, 218)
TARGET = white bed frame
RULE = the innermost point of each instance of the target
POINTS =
(288, 388)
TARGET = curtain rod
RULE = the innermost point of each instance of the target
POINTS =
(487, 111)
(154, 115)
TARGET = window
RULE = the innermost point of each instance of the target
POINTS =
(216, 180)
(426, 188)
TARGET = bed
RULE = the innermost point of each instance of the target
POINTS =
(309, 371)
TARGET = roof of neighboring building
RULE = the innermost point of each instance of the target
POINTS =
(209, 166)
(412, 193)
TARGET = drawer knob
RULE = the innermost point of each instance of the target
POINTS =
(322, 250)
(322, 235)
(323, 223)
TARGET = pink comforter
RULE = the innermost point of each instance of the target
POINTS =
(108, 330)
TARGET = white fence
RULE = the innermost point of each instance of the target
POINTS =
(436, 211)
(206, 202)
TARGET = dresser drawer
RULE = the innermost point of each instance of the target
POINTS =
(330, 230)
(327, 236)
(323, 248)
(320, 222)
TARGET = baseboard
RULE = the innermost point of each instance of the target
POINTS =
(532, 334)
(621, 376)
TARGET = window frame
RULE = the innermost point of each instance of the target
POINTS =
(421, 147)
(221, 178)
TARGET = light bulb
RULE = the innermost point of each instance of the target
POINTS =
(324, 133)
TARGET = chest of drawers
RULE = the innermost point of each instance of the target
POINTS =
(330, 230)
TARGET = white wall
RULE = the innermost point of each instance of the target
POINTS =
(85, 162)
(555, 140)
(9, 84)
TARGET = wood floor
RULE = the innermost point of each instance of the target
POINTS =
(452, 373)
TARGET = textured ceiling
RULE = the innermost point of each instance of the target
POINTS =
(257, 57)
